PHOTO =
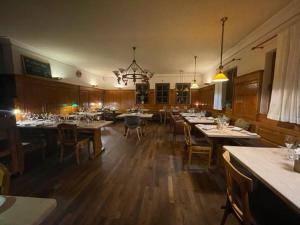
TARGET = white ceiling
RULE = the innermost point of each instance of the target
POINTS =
(97, 36)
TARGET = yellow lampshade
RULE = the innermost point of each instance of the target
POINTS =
(220, 77)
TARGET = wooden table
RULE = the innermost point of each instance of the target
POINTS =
(191, 114)
(211, 131)
(217, 138)
(199, 120)
(93, 127)
(141, 115)
(163, 115)
(25, 210)
(271, 167)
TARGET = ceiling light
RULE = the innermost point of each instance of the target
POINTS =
(119, 85)
(194, 83)
(220, 76)
(133, 72)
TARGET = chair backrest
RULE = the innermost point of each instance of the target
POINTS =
(67, 133)
(187, 134)
(132, 121)
(4, 180)
(238, 187)
(208, 114)
(242, 124)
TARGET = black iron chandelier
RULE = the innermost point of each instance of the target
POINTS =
(134, 72)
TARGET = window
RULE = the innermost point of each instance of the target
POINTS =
(141, 93)
(183, 93)
(267, 81)
(228, 87)
(162, 93)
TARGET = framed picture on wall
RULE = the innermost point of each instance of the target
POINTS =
(35, 67)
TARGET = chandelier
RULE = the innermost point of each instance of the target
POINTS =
(134, 72)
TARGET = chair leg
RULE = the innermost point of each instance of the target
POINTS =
(227, 211)
(209, 159)
(138, 133)
(190, 158)
(77, 154)
(61, 153)
(127, 132)
(89, 149)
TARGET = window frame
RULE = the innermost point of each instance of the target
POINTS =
(147, 89)
(162, 91)
(188, 85)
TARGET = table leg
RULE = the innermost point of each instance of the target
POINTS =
(97, 143)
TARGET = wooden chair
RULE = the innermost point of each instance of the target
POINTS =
(238, 187)
(242, 124)
(176, 125)
(68, 137)
(4, 180)
(195, 149)
(10, 145)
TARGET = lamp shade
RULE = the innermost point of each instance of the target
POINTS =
(220, 77)
(194, 85)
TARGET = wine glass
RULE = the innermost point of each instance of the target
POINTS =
(289, 143)
(298, 142)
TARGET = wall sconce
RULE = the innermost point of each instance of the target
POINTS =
(74, 105)
(16, 111)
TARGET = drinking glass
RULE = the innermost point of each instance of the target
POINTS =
(289, 143)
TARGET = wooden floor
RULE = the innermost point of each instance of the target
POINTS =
(130, 183)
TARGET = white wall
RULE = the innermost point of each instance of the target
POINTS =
(67, 72)
(58, 69)
(253, 60)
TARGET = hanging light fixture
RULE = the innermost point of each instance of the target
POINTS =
(220, 76)
(194, 83)
(180, 79)
(134, 72)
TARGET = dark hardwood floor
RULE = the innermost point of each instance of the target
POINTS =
(131, 183)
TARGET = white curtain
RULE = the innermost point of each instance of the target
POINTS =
(285, 97)
(218, 97)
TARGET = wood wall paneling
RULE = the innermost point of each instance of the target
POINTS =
(206, 97)
(124, 99)
(38, 95)
(247, 93)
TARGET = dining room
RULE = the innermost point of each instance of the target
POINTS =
(150, 112)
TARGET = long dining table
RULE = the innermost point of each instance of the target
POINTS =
(199, 120)
(141, 115)
(272, 167)
(17, 210)
(93, 127)
(219, 137)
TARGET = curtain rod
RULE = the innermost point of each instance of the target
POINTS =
(259, 46)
